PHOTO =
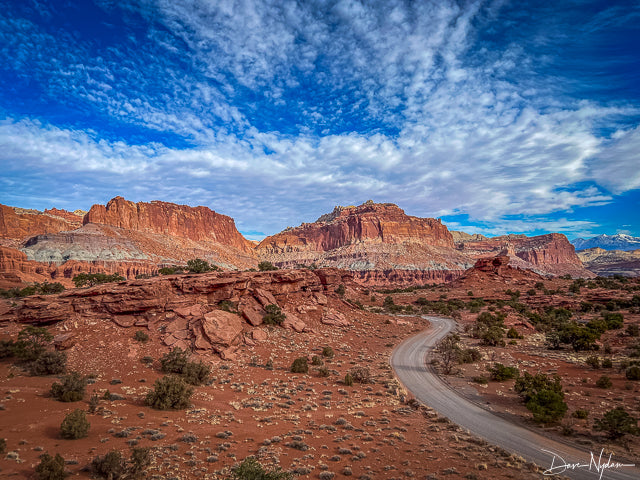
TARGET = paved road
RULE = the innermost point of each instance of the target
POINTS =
(409, 363)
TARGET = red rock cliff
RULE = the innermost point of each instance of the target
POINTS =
(367, 223)
(19, 224)
(194, 223)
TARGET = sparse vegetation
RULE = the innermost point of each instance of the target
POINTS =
(300, 365)
(543, 396)
(169, 393)
(340, 290)
(327, 352)
(348, 380)
(71, 389)
(616, 423)
(175, 361)
(266, 266)
(110, 465)
(274, 315)
(34, 289)
(141, 336)
(251, 469)
(48, 363)
(360, 374)
(32, 342)
(91, 279)
(500, 373)
(50, 468)
(604, 382)
(75, 425)
(198, 265)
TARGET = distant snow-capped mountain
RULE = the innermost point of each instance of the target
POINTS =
(619, 241)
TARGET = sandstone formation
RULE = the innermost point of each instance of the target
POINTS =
(546, 254)
(19, 224)
(188, 308)
(194, 223)
(463, 237)
(611, 262)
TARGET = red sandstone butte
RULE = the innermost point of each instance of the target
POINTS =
(19, 224)
(194, 223)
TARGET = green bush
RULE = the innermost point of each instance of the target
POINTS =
(110, 466)
(614, 320)
(604, 382)
(50, 468)
(141, 336)
(139, 462)
(348, 380)
(316, 361)
(360, 374)
(323, 372)
(633, 373)
(470, 355)
(175, 361)
(91, 279)
(251, 469)
(633, 330)
(228, 306)
(500, 372)
(197, 265)
(169, 393)
(481, 380)
(593, 361)
(71, 389)
(300, 365)
(48, 363)
(340, 290)
(3, 445)
(607, 363)
(170, 270)
(75, 425)
(327, 352)
(35, 289)
(513, 333)
(32, 342)
(581, 413)
(266, 266)
(543, 396)
(616, 423)
(274, 315)
(196, 373)
(7, 348)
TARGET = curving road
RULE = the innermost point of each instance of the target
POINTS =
(409, 363)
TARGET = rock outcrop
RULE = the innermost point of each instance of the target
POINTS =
(189, 309)
(194, 223)
(19, 224)
(379, 243)
(550, 254)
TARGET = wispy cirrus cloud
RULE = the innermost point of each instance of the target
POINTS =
(274, 111)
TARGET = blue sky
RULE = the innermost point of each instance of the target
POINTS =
(498, 117)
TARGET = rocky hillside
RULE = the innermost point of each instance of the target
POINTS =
(120, 237)
(611, 262)
(545, 254)
(378, 242)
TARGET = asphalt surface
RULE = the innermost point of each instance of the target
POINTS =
(553, 457)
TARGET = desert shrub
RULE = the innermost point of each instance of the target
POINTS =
(323, 372)
(169, 393)
(50, 468)
(138, 463)
(614, 320)
(543, 396)
(327, 352)
(198, 265)
(633, 373)
(481, 380)
(448, 351)
(470, 355)
(170, 270)
(316, 361)
(274, 315)
(633, 330)
(360, 374)
(581, 414)
(49, 363)
(490, 329)
(175, 361)
(340, 289)
(607, 363)
(196, 373)
(3, 445)
(110, 466)
(593, 361)
(616, 423)
(266, 266)
(75, 425)
(94, 401)
(7, 348)
(251, 469)
(500, 372)
(348, 380)
(71, 389)
(300, 365)
(32, 342)
(513, 333)
(604, 382)
(228, 306)
(91, 279)
(141, 336)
